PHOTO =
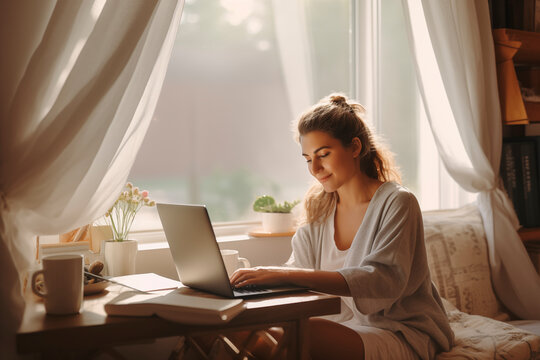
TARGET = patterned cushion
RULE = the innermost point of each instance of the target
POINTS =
(458, 260)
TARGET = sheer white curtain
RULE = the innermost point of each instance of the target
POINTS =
(455, 63)
(294, 53)
(80, 80)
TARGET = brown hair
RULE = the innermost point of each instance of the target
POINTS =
(344, 120)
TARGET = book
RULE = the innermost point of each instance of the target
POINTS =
(529, 173)
(79, 247)
(177, 307)
(510, 170)
(519, 172)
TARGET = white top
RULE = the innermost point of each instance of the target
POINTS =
(333, 259)
(386, 271)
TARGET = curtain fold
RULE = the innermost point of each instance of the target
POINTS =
(294, 53)
(455, 64)
(82, 82)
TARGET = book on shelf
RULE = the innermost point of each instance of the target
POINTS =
(510, 173)
(530, 183)
(519, 172)
(175, 306)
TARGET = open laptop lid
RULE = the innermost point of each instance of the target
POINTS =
(194, 248)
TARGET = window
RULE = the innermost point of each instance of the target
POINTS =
(221, 131)
(242, 70)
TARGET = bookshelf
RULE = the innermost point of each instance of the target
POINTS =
(518, 73)
(529, 235)
(531, 240)
(518, 66)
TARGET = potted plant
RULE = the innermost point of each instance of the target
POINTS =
(276, 217)
(120, 252)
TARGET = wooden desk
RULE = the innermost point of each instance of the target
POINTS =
(93, 329)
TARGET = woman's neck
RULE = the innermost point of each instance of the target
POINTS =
(358, 191)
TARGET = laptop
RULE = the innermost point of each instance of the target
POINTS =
(196, 253)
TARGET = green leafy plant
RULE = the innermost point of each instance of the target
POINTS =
(121, 215)
(267, 204)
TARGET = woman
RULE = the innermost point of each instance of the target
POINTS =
(362, 240)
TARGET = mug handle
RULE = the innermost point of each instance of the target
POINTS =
(34, 289)
(244, 261)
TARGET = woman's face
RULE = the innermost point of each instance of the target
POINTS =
(332, 164)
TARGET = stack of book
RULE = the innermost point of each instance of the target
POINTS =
(520, 164)
(175, 306)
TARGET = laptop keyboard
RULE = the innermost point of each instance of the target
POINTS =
(249, 289)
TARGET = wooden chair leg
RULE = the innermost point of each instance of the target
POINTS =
(185, 344)
(221, 345)
(267, 338)
(195, 346)
(280, 349)
(179, 349)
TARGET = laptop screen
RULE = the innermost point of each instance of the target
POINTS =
(194, 248)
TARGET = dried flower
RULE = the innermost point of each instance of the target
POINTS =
(121, 215)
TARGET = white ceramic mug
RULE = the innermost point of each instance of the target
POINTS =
(233, 261)
(63, 279)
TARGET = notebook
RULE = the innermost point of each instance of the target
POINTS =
(175, 306)
(196, 253)
(147, 282)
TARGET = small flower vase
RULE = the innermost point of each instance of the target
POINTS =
(278, 222)
(120, 257)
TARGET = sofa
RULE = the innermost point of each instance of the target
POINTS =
(458, 260)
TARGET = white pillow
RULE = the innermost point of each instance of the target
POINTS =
(458, 260)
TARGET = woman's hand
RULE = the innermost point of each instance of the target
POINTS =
(330, 282)
(262, 275)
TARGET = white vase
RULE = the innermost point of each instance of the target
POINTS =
(120, 257)
(278, 222)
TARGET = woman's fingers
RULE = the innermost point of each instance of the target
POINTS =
(238, 274)
(244, 277)
(257, 276)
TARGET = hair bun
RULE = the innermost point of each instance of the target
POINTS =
(338, 99)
